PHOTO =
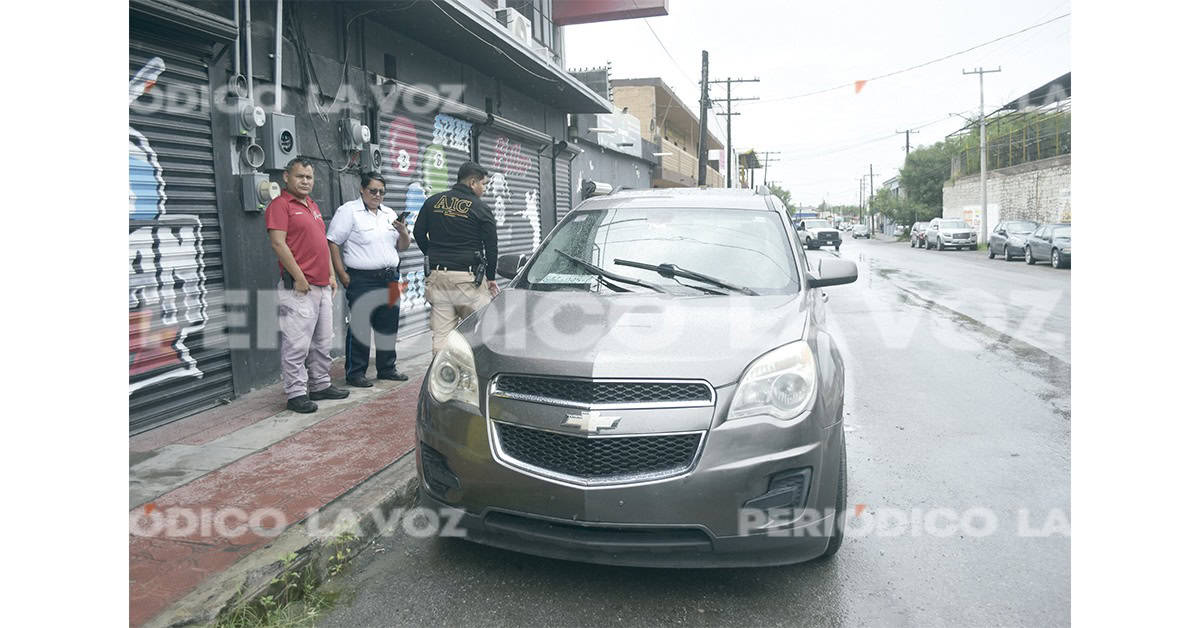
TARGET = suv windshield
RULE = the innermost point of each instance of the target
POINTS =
(1022, 226)
(744, 248)
(817, 224)
(952, 224)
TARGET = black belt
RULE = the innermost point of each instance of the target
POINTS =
(453, 267)
(383, 273)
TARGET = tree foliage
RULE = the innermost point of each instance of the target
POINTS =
(784, 195)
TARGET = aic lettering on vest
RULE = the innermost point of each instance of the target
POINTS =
(453, 207)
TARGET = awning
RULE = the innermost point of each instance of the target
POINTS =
(454, 28)
(1057, 90)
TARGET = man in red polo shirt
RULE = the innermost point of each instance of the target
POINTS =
(306, 290)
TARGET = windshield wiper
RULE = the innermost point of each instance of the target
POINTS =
(670, 271)
(604, 274)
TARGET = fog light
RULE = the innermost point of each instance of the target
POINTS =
(437, 471)
(786, 489)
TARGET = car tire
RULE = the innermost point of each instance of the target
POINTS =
(837, 248)
(839, 511)
(1007, 255)
(1055, 259)
(941, 247)
(1029, 256)
(991, 252)
(912, 244)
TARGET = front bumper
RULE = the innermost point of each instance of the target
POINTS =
(692, 520)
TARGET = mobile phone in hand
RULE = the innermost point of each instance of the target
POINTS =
(402, 218)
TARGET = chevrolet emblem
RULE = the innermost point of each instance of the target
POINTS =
(591, 422)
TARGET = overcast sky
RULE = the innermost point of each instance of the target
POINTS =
(799, 47)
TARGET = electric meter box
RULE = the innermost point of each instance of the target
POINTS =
(279, 140)
(258, 190)
(372, 159)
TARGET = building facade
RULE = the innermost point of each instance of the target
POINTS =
(409, 89)
(673, 131)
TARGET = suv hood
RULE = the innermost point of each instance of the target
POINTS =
(822, 230)
(576, 334)
(957, 232)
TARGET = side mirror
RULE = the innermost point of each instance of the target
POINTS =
(834, 272)
(509, 264)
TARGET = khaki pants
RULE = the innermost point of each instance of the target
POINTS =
(307, 325)
(453, 296)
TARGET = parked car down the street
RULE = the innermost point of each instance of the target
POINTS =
(898, 231)
(1050, 243)
(1008, 238)
(600, 455)
(860, 231)
(916, 236)
(949, 233)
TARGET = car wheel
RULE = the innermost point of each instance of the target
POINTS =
(991, 253)
(839, 512)
(1029, 256)
(912, 244)
(941, 247)
(1007, 255)
(837, 247)
(1055, 259)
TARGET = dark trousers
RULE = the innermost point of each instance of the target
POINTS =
(384, 321)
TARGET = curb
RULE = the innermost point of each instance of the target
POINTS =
(251, 578)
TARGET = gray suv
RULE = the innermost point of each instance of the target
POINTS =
(655, 386)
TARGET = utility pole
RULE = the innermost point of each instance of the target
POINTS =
(906, 143)
(729, 124)
(870, 193)
(860, 198)
(766, 161)
(982, 154)
(702, 178)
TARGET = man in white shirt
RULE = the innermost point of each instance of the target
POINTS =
(365, 240)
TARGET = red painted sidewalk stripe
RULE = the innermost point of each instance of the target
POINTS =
(296, 475)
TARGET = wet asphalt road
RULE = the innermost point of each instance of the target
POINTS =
(942, 411)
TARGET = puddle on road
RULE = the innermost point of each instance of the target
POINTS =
(1053, 371)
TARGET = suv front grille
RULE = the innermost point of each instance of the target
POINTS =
(621, 458)
(584, 392)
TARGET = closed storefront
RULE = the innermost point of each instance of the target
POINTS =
(513, 189)
(562, 185)
(421, 156)
(179, 360)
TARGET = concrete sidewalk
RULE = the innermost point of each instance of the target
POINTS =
(203, 489)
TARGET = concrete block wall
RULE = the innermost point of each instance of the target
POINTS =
(1038, 190)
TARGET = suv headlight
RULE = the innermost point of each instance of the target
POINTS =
(453, 373)
(779, 383)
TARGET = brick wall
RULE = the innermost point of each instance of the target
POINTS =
(1038, 190)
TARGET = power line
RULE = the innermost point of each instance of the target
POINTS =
(920, 65)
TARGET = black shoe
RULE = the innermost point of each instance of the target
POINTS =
(359, 382)
(330, 393)
(392, 375)
(301, 404)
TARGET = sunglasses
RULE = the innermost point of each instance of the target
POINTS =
(376, 191)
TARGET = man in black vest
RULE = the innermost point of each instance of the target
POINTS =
(456, 230)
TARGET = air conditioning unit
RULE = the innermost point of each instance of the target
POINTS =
(517, 24)
(545, 53)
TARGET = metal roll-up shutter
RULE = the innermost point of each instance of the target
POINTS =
(179, 359)
(421, 157)
(513, 190)
(562, 186)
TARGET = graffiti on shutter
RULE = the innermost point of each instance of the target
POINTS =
(166, 264)
(422, 155)
(512, 191)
